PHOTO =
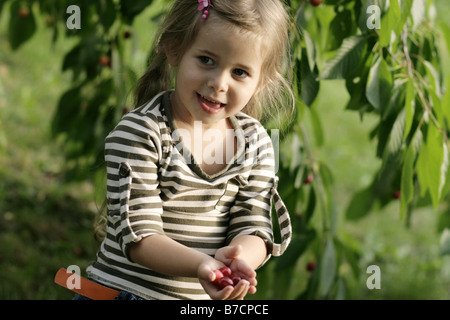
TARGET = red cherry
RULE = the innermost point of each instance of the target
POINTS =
(127, 34)
(125, 110)
(235, 278)
(24, 12)
(315, 3)
(225, 281)
(104, 61)
(219, 275)
(309, 178)
(225, 271)
(311, 266)
(49, 21)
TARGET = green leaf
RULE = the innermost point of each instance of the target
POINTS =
(445, 242)
(432, 164)
(328, 268)
(396, 135)
(72, 58)
(356, 88)
(341, 27)
(317, 126)
(310, 50)
(22, 24)
(443, 220)
(406, 6)
(409, 108)
(311, 206)
(418, 12)
(107, 13)
(309, 86)
(422, 170)
(390, 23)
(297, 247)
(445, 29)
(395, 13)
(346, 59)
(351, 251)
(383, 132)
(361, 204)
(130, 9)
(379, 84)
(67, 112)
(296, 154)
(299, 177)
(385, 30)
(446, 101)
(407, 185)
(433, 77)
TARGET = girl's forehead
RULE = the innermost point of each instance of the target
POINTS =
(217, 33)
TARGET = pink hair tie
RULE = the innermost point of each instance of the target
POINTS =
(204, 5)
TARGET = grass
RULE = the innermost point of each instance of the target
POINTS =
(409, 260)
(46, 222)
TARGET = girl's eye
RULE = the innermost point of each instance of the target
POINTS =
(206, 60)
(240, 73)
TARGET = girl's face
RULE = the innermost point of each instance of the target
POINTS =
(217, 76)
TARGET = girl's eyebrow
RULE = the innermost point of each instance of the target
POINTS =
(208, 53)
(214, 56)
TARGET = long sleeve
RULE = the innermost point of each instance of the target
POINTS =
(134, 206)
(251, 211)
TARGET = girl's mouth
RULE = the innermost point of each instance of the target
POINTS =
(209, 105)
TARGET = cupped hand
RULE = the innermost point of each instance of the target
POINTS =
(238, 292)
(231, 257)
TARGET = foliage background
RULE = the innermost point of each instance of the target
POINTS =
(51, 169)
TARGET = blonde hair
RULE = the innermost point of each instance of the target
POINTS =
(100, 222)
(267, 19)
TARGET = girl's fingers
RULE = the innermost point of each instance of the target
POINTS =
(243, 270)
(240, 290)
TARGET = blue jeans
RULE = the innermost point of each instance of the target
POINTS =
(123, 295)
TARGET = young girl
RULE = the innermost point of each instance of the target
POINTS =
(190, 172)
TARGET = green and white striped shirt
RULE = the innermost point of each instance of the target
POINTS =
(154, 186)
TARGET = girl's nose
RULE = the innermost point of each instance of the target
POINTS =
(218, 81)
